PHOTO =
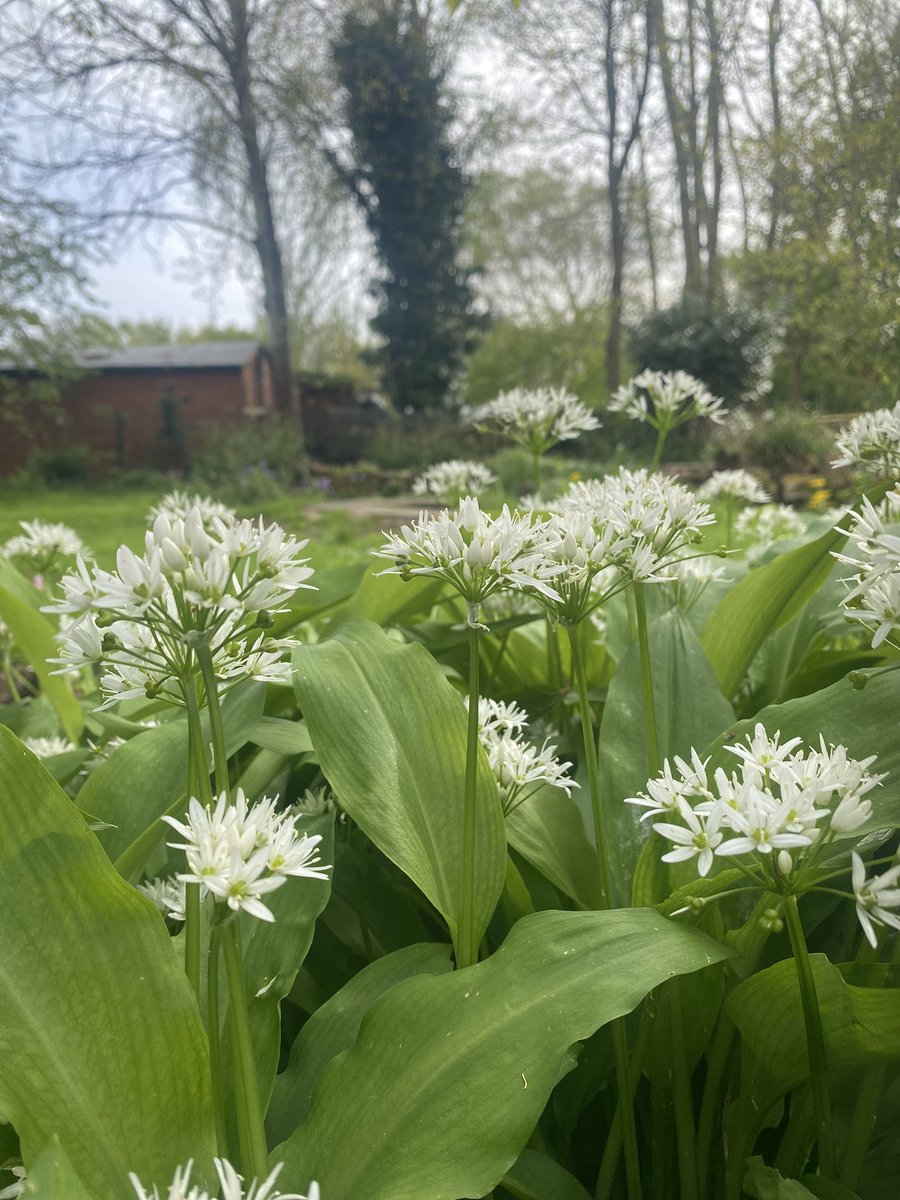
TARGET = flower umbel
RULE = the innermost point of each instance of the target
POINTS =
(453, 479)
(537, 420)
(238, 852)
(231, 1184)
(519, 767)
(476, 553)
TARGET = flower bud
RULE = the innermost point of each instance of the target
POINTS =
(785, 863)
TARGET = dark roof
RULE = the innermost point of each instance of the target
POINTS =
(200, 356)
(171, 357)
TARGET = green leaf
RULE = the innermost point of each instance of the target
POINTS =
(548, 831)
(142, 779)
(390, 735)
(281, 736)
(861, 1025)
(462, 1064)
(768, 598)
(534, 1176)
(690, 711)
(765, 1183)
(33, 634)
(332, 1029)
(52, 1176)
(388, 599)
(100, 1041)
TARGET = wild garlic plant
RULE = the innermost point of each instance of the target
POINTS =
(453, 479)
(478, 556)
(780, 818)
(520, 768)
(185, 622)
(732, 491)
(665, 400)
(870, 443)
(536, 420)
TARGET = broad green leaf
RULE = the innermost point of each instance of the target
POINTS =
(388, 599)
(100, 1040)
(332, 1029)
(861, 1025)
(390, 735)
(534, 1176)
(450, 1073)
(281, 736)
(52, 1176)
(33, 634)
(690, 711)
(548, 831)
(766, 599)
(333, 586)
(140, 780)
(12, 580)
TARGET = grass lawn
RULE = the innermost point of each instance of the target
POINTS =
(106, 518)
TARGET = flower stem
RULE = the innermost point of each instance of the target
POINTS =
(613, 1147)
(537, 473)
(217, 730)
(254, 1151)
(619, 1031)
(681, 1077)
(198, 778)
(467, 941)
(640, 608)
(815, 1041)
(213, 1033)
(658, 452)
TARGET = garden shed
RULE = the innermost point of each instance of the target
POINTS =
(146, 406)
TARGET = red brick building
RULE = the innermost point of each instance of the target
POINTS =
(147, 406)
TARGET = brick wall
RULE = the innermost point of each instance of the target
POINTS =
(134, 419)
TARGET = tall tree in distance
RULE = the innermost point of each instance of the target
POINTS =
(412, 192)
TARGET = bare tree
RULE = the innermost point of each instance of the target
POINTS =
(173, 110)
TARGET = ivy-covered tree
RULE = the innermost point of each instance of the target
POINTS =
(412, 190)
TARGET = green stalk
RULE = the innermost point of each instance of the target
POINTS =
(661, 435)
(640, 608)
(619, 1030)
(198, 778)
(213, 1029)
(613, 1148)
(815, 1041)
(254, 1151)
(220, 758)
(711, 1105)
(537, 473)
(467, 942)
(681, 1078)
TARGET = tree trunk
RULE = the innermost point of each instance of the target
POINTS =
(775, 30)
(715, 93)
(617, 246)
(266, 239)
(693, 271)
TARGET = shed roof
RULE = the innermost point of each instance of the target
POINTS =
(193, 357)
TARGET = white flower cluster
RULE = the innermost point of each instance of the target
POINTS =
(871, 442)
(756, 529)
(876, 897)
(453, 479)
(731, 486)
(48, 747)
(43, 543)
(537, 420)
(232, 1186)
(178, 504)
(193, 585)
(167, 894)
(609, 532)
(666, 400)
(776, 804)
(239, 852)
(519, 767)
(691, 577)
(874, 553)
(475, 553)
